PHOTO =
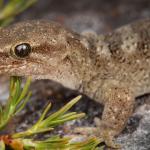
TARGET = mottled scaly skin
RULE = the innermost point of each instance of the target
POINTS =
(112, 69)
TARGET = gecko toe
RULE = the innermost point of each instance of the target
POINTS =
(103, 135)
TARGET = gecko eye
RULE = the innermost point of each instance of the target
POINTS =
(22, 50)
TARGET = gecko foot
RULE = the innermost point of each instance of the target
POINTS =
(103, 135)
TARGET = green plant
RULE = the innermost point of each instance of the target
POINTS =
(24, 140)
(11, 9)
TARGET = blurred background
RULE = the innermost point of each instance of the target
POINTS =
(98, 15)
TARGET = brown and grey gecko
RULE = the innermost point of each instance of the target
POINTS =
(112, 69)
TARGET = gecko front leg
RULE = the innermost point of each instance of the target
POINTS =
(117, 109)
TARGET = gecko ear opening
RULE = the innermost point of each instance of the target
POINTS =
(22, 50)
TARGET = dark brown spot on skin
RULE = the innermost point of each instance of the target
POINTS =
(114, 42)
(143, 32)
(116, 52)
(16, 62)
(73, 41)
(144, 48)
(4, 55)
(48, 49)
(34, 60)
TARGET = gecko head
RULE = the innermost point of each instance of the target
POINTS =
(40, 49)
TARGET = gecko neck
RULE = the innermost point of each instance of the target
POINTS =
(97, 60)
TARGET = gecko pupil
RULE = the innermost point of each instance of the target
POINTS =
(22, 50)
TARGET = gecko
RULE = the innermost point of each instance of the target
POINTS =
(112, 68)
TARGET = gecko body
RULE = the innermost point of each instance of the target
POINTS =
(112, 69)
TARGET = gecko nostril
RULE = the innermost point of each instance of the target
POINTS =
(22, 50)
